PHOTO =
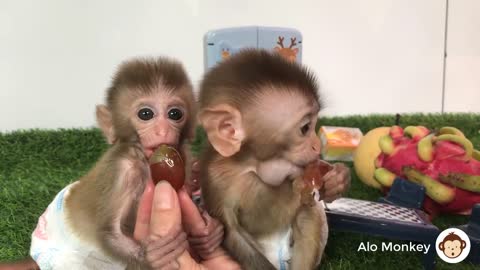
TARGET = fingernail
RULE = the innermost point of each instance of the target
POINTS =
(164, 195)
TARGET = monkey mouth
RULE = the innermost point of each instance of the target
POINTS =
(149, 150)
(303, 164)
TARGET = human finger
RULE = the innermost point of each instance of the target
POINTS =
(193, 221)
(142, 223)
(165, 215)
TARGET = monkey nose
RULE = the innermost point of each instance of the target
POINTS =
(162, 132)
(316, 143)
(316, 148)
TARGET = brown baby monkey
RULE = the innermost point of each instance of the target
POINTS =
(91, 223)
(259, 112)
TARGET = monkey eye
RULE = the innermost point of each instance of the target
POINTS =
(305, 128)
(145, 114)
(175, 114)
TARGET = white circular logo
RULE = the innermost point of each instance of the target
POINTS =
(453, 245)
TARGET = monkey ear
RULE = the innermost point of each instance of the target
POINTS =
(440, 246)
(104, 120)
(464, 244)
(223, 125)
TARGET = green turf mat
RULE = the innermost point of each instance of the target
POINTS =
(36, 164)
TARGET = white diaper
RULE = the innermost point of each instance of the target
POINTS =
(277, 247)
(54, 246)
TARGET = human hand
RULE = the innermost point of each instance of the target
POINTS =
(206, 235)
(159, 219)
(336, 182)
(158, 227)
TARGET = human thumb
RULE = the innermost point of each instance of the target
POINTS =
(167, 219)
(166, 216)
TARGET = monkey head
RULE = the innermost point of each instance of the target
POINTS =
(258, 105)
(452, 246)
(151, 99)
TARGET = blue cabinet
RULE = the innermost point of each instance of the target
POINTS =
(222, 43)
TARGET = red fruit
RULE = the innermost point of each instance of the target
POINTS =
(450, 174)
(448, 150)
(396, 132)
(314, 172)
(167, 164)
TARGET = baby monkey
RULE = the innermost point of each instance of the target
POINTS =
(259, 112)
(90, 224)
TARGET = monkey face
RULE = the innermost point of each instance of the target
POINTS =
(297, 122)
(158, 119)
(282, 126)
(453, 249)
(306, 145)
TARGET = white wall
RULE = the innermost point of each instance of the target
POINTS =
(57, 56)
(462, 81)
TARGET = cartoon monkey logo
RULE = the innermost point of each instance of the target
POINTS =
(453, 245)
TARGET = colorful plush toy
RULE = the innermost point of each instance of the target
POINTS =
(444, 162)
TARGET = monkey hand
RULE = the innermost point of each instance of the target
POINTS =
(305, 191)
(336, 182)
(163, 252)
(205, 233)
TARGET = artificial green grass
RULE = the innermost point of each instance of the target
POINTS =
(36, 164)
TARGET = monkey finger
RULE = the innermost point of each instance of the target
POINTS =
(163, 264)
(337, 169)
(332, 194)
(206, 252)
(331, 181)
(192, 219)
(142, 223)
(218, 232)
(341, 180)
(152, 252)
(159, 260)
(334, 190)
(196, 166)
(166, 244)
(212, 223)
(208, 247)
(343, 170)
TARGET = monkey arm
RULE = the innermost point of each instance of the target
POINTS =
(241, 245)
(131, 173)
(116, 238)
(310, 233)
(190, 172)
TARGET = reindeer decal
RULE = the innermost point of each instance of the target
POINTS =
(289, 53)
(225, 53)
